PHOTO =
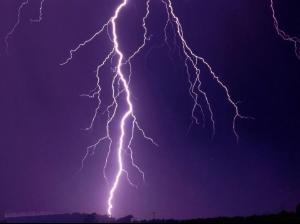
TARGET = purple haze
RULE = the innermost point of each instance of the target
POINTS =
(190, 175)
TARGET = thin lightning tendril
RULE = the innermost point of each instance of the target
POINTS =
(13, 29)
(40, 18)
(11, 32)
(85, 43)
(193, 59)
(294, 40)
(145, 39)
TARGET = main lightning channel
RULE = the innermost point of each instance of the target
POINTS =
(126, 115)
(120, 85)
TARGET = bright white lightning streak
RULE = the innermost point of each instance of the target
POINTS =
(294, 40)
(127, 114)
(120, 85)
(11, 32)
(118, 81)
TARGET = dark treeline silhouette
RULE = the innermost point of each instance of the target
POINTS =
(282, 217)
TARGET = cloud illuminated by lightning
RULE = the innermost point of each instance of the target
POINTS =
(294, 40)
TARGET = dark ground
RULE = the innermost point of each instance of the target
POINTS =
(282, 217)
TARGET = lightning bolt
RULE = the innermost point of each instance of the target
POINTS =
(127, 113)
(119, 86)
(294, 40)
(17, 23)
(192, 59)
(40, 18)
(11, 32)
(128, 124)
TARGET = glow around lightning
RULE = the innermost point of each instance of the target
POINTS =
(285, 36)
(128, 125)
(126, 113)
(121, 86)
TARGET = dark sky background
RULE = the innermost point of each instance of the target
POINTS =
(190, 174)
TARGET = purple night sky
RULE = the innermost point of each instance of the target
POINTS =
(190, 175)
